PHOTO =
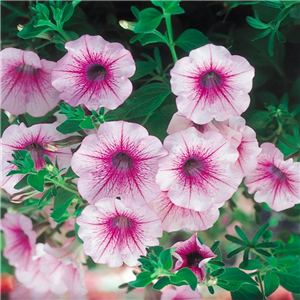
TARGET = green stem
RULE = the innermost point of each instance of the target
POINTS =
(63, 185)
(261, 286)
(63, 34)
(14, 9)
(170, 35)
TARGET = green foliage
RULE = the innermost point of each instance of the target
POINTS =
(149, 19)
(169, 7)
(48, 21)
(191, 39)
(77, 119)
(61, 203)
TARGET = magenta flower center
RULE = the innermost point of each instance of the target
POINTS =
(26, 69)
(121, 222)
(210, 79)
(193, 259)
(36, 151)
(277, 174)
(122, 161)
(96, 72)
(193, 166)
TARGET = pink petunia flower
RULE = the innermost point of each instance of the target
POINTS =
(113, 233)
(242, 137)
(121, 160)
(275, 181)
(175, 218)
(180, 293)
(49, 274)
(20, 240)
(95, 73)
(211, 83)
(34, 139)
(200, 169)
(191, 254)
(26, 83)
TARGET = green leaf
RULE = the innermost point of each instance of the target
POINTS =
(146, 264)
(37, 181)
(166, 258)
(185, 275)
(149, 19)
(262, 34)
(235, 252)
(169, 7)
(4, 121)
(286, 142)
(135, 12)
(296, 133)
(271, 43)
(271, 283)
(235, 278)
(215, 246)
(241, 234)
(217, 272)
(22, 183)
(29, 31)
(162, 282)
(191, 39)
(256, 23)
(87, 123)
(146, 99)
(281, 38)
(289, 281)
(216, 262)
(61, 203)
(251, 265)
(143, 68)
(263, 252)
(235, 240)
(267, 245)
(247, 292)
(150, 38)
(69, 126)
(260, 232)
(142, 279)
(68, 12)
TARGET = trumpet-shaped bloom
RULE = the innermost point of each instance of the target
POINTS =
(275, 181)
(211, 83)
(26, 83)
(200, 169)
(95, 73)
(121, 160)
(20, 240)
(191, 254)
(242, 137)
(49, 274)
(34, 139)
(113, 233)
(175, 218)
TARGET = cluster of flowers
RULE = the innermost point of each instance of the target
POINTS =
(135, 186)
(45, 270)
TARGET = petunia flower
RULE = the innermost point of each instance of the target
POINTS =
(211, 83)
(26, 83)
(191, 254)
(200, 169)
(49, 274)
(275, 181)
(175, 218)
(34, 139)
(241, 136)
(113, 233)
(20, 240)
(95, 73)
(180, 293)
(121, 160)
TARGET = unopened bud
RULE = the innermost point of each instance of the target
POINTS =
(127, 25)
(23, 195)
(55, 145)
(212, 281)
(20, 27)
